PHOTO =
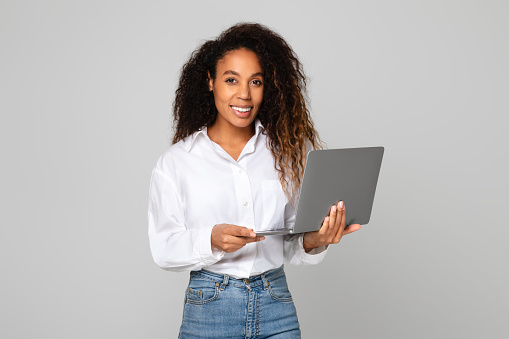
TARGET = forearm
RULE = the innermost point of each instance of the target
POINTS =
(186, 250)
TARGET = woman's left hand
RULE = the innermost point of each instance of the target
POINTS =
(333, 228)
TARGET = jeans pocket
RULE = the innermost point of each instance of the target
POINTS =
(278, 289)
(201, 291)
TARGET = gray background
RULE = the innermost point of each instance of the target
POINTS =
(86, 91)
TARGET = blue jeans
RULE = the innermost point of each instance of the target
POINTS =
(218, 306)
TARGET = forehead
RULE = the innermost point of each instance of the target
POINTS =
(239, 60)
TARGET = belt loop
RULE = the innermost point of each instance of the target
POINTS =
(225, 282)
(265, 281)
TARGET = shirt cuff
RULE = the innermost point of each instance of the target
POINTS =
(207, 255)
(314, 256)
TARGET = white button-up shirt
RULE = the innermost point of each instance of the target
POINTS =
(196, 185)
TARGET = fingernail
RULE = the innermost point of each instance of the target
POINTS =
(262, 238)
(326, 218)
(341, 204)
(252, 234)
(334, 208)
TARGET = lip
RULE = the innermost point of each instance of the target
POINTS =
(242, 114)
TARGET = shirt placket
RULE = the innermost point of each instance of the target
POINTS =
(244, 195)
(245, 209)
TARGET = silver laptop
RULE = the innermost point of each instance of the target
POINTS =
(348, 174)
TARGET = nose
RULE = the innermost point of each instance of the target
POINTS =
(244, 92)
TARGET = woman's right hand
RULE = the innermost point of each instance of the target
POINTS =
(231, 238)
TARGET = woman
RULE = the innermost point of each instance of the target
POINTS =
(235, 167)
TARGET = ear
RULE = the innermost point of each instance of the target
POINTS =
(210, 81)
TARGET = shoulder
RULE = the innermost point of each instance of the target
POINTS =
(181, 152)
(166, 161)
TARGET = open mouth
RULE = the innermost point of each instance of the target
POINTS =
(241, 109)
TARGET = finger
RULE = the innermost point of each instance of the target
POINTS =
(339, 217)
(240, 231)
(341, 226)
(236, 240)
(325, 225)
(352, 228)
(343, 216)
(230, 244)
(260, 238)
(333, 216)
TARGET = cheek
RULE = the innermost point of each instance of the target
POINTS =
(259, 97)
(256, 95)
(222, 95)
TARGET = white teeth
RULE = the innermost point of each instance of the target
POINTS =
(242, 109)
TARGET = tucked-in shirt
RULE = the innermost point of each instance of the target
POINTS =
(196, 185)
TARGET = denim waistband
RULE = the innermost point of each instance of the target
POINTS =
(225, 279)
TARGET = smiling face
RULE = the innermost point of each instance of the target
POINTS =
(237, 88)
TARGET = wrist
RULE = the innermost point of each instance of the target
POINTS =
(305, 244)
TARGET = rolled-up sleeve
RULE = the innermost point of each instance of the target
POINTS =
(296, 255)
(174, 247)
(294, 247)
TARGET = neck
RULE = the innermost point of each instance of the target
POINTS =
(226, 134)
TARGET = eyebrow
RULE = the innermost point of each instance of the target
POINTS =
(237, 74)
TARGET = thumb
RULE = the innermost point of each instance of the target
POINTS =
(352, 228)
(241, 231)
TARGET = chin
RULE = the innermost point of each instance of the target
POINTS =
(243, 123)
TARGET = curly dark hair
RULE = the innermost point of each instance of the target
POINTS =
(283, 112)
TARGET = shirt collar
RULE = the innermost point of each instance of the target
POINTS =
(189, 141)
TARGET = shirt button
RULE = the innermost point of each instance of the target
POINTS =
(245, 203)
(240, 171)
